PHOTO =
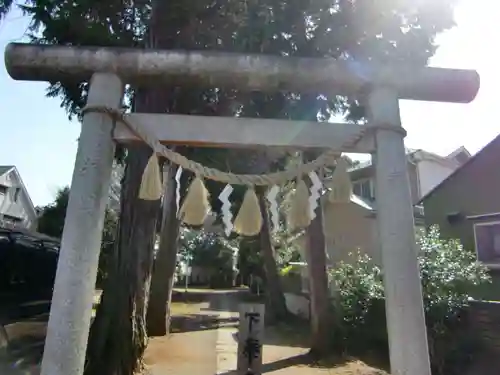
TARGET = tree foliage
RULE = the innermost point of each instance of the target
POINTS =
(361, 31)
(449, 273)
(51, 223)
(209, 251)
(51, 217)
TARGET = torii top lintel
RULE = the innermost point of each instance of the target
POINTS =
(248, 72)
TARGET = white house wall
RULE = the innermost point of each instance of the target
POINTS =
(22, 208)
(431, 174)
(5, 180)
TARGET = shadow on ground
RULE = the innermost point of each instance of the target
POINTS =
(214, 296)
(277, 336)
(305, 360)
(200, 322)
(298, 360)
(346, 366)
(190, 297)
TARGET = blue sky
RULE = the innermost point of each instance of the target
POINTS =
(38, 138)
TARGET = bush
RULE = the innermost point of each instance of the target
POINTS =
(449, 274)
(358, 294)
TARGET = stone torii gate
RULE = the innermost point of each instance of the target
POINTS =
(109, 69)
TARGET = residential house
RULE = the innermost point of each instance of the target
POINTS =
(16, 208)
(352, 226)
(466, 205)
(425, 171)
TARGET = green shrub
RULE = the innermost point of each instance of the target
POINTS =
(449, 274)
(357, 289)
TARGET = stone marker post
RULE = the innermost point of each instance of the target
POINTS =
(250, 335)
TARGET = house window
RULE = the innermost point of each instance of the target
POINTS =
(487, 236)
(363, 189)
(16, 194)
(3, 189)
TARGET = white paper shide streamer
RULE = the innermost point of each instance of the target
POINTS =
(178, 175)
(227, 216)
(273, 207)
(315, 190)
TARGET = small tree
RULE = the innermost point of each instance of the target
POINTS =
(51, 217)
(449, 275)
(358, 293)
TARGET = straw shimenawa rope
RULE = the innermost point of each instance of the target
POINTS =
(248, 222)
(327, 158)
(278, 178)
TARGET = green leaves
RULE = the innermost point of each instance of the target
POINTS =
(449, 274)
(356, 285)
(400, 31)
(51, 219)
(207, 250)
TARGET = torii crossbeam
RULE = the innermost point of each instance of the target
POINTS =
(380, 86)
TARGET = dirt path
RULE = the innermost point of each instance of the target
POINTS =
(201, 342)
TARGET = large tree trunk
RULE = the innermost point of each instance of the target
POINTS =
(318, 285)
(162, 283)
(118, 335)
(274, 290)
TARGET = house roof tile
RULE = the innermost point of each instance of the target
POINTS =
(5, 168)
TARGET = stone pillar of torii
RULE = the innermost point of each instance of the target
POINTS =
(380, 87)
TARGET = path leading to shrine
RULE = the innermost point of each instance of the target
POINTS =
(204, 342)
(201, 341)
